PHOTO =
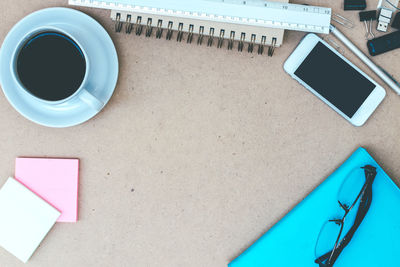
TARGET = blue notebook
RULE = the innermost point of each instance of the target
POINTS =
(291, 242)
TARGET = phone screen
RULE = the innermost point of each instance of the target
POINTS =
(334, 79)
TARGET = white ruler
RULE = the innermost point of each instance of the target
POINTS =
(250, 12)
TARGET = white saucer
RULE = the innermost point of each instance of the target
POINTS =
(101, 79)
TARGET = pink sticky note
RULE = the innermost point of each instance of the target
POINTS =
(54, 180)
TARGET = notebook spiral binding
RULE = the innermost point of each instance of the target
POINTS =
(137, 22)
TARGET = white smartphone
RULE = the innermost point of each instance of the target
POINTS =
(334, 79)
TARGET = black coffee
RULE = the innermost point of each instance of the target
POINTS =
(51, 66)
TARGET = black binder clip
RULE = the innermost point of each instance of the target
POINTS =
(355, 4)
(368, 17)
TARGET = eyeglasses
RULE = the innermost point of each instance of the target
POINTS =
(354, 198)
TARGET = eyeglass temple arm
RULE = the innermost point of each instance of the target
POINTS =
(366, 199)
(370, 173)
(365, 204)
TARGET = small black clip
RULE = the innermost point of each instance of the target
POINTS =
(367, 17)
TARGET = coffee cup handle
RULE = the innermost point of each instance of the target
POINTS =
(91, 100)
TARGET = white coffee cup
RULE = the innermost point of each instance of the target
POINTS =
(83, 93)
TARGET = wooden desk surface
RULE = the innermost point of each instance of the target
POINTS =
(199, 152)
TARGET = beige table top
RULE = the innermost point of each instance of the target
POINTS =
(216, 146)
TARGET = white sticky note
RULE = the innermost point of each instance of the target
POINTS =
(25, 219)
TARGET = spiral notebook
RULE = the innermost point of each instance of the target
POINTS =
(291, 242)
(251, 25)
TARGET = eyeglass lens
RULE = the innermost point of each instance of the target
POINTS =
(347, 195)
